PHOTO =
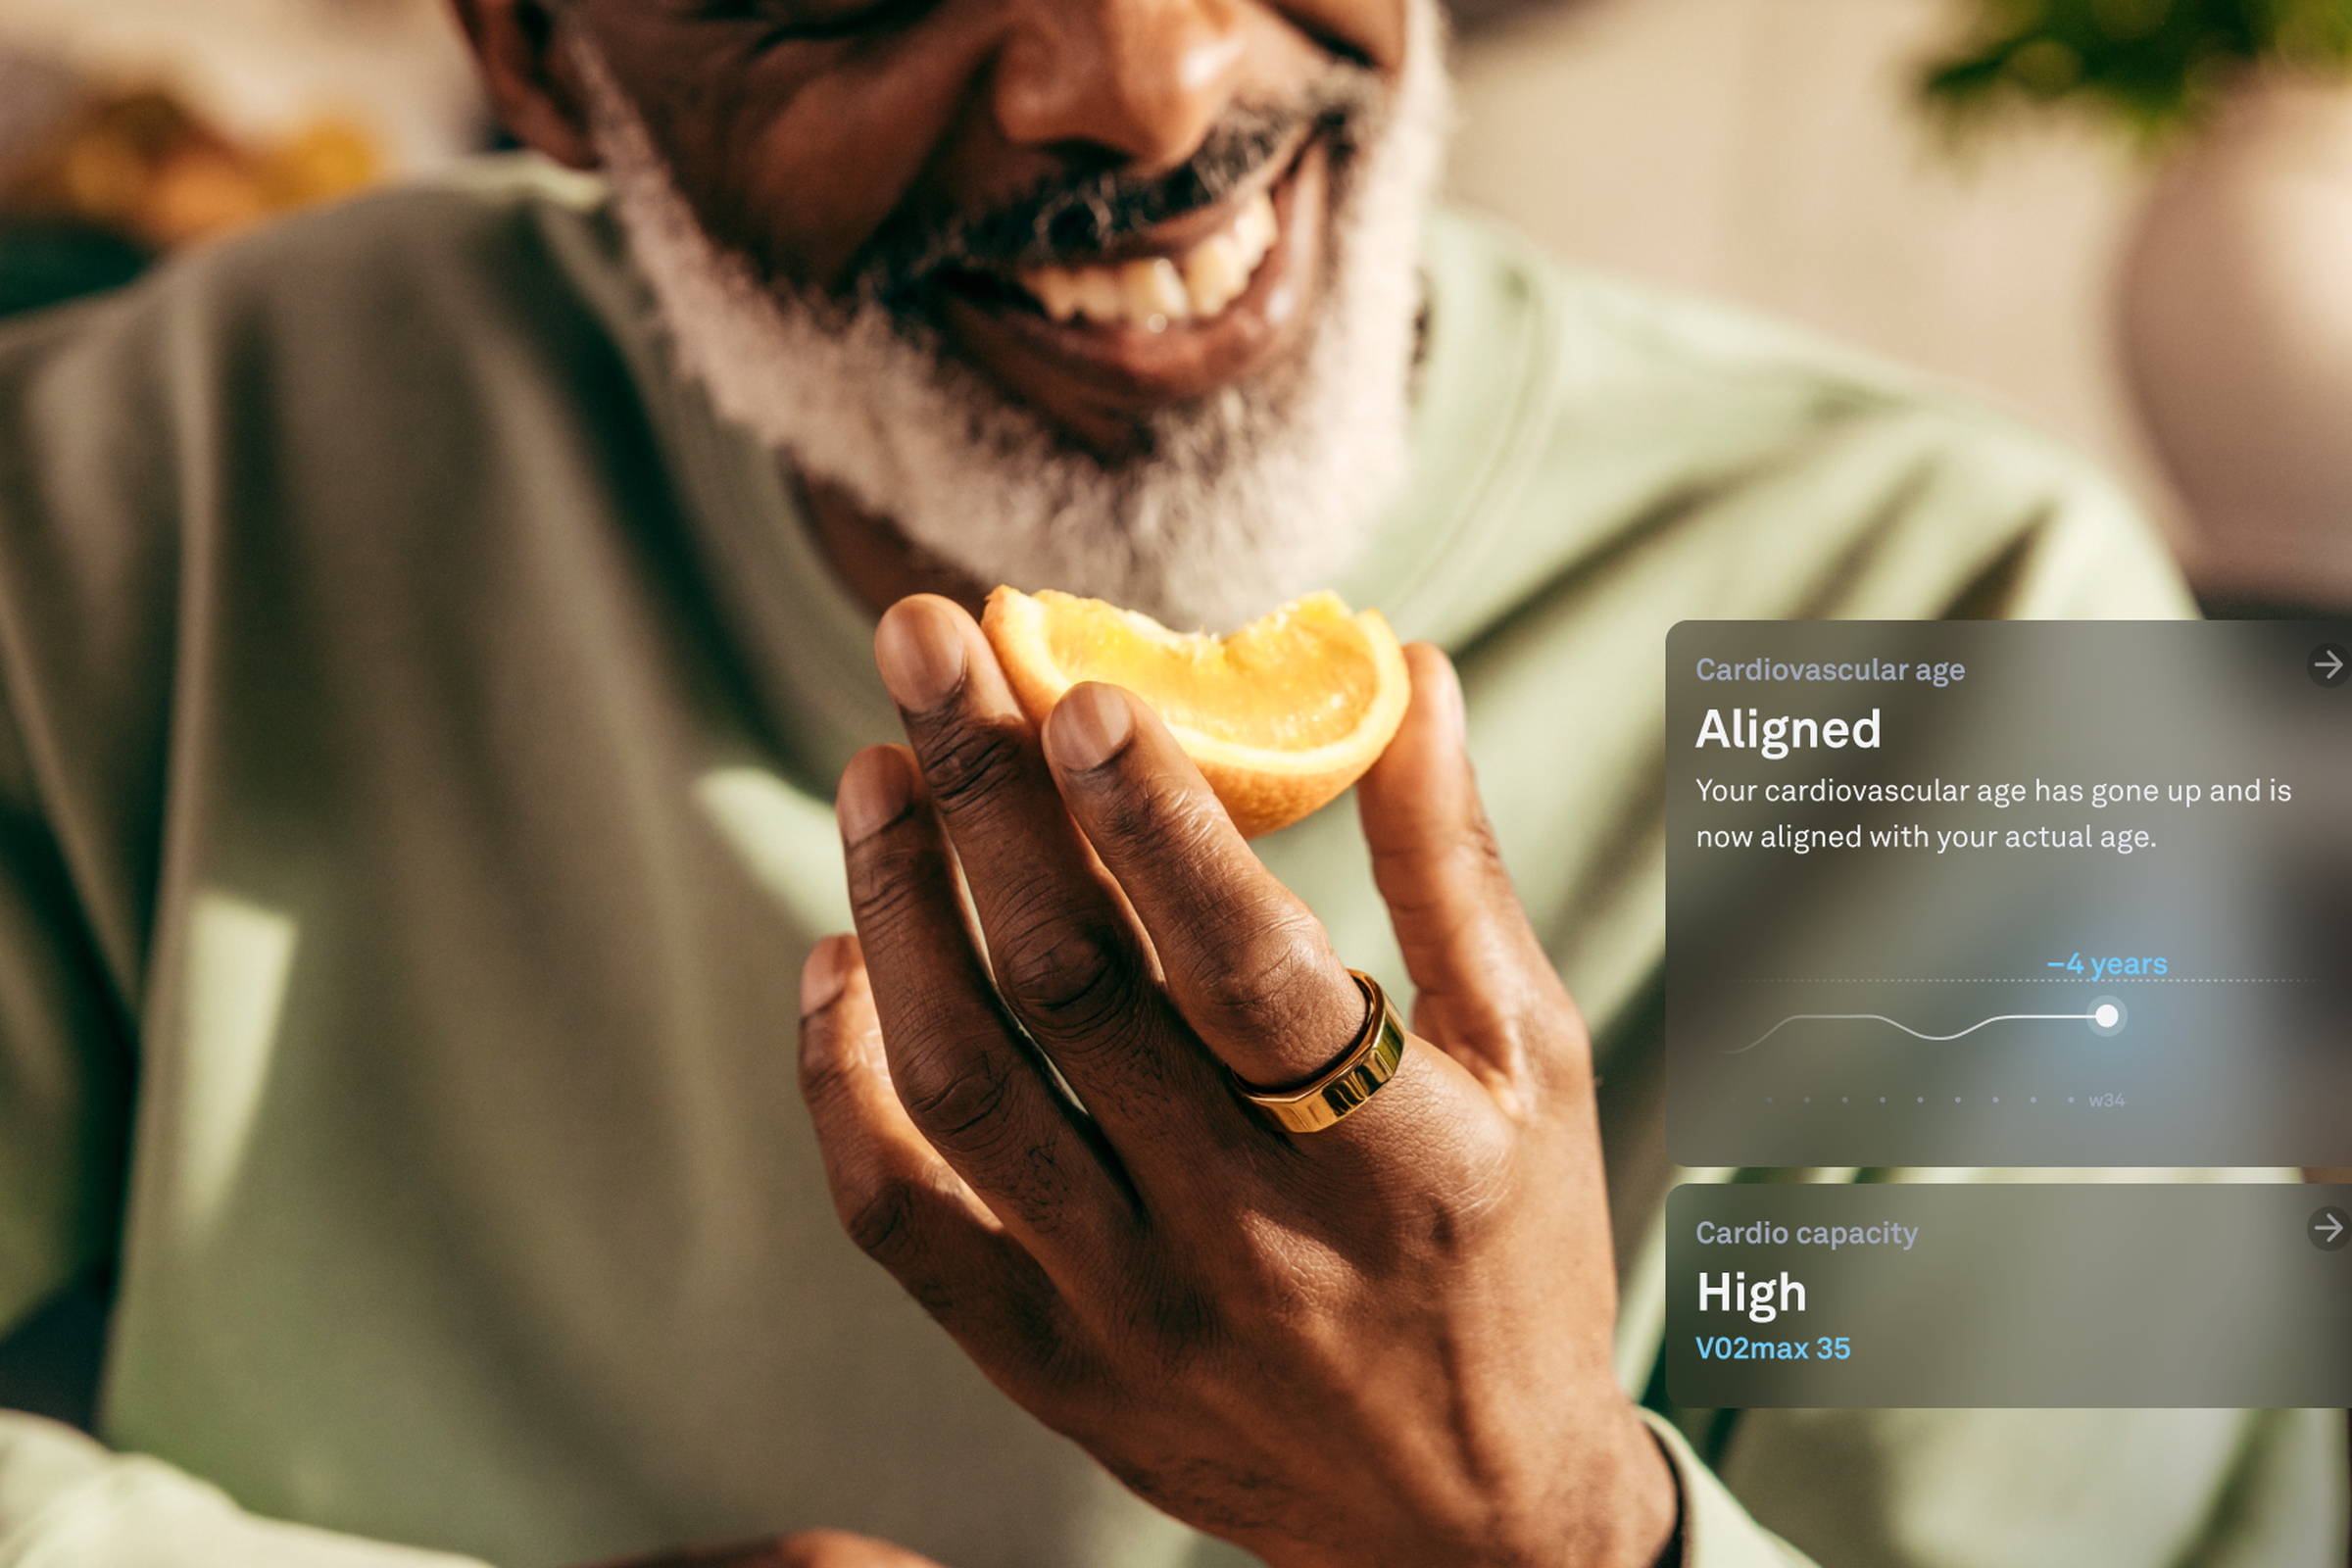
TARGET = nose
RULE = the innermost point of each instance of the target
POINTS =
(1145, 78)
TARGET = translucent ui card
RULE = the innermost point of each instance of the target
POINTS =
(1976, 1294)
(2003, 893)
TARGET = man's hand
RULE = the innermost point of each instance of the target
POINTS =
(1387, 1341)
(810, 1549)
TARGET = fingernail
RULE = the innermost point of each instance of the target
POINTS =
(1456, 710)
(1088, 727)
(921, 654)
(874, 793)
(825, 976)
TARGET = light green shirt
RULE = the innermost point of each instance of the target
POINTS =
(420, 718)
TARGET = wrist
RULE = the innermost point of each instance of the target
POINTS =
(1637, 1520)
(1616, 1504)
(1622, 1507)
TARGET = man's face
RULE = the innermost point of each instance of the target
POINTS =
(1096, 274)
(1113, 296)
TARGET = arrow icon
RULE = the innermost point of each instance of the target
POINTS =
(2328, 1228)
(2330, 665)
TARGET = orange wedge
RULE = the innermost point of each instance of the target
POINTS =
(1280, 717)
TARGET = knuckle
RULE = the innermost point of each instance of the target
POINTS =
(1176, 824)
(966, 762)
(1259, 986)
(824, 1068)
(1067, 979)
(957, 1098)
(881, 1220)
(888, 876)
(1483, 869)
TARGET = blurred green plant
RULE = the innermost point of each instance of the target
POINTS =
(2155, 65)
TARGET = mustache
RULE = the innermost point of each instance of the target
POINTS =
(1079, 216)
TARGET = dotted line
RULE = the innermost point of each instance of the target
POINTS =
(1921, 1100)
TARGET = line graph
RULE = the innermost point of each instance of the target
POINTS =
(2106, 1016)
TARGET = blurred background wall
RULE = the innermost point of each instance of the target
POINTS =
(1773, 152)
(259, 70)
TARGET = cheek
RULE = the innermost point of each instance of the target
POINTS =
(797, 157)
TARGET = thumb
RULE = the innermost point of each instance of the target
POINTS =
(1486, 993)
(838, 1548)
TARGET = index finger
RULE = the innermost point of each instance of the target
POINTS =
(1066, 954)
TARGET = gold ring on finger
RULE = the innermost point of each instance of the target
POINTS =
(1367, 1065)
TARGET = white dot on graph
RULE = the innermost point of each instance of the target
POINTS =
(2106, 1015)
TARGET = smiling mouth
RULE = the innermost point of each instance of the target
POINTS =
(1154, 292)
(1179, 272)
(1180, 310)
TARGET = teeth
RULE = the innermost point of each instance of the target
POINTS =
(1156, 290)
(1098, 293)
(1056, 289)
(1156, 293)
(1214, 273)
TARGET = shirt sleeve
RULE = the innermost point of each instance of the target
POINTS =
(64, 1063)
(85, 627)
(67, 1502)
(1716, 1532)
(2087, 554)
(84, 638)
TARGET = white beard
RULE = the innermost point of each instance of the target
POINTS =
(1246, 498)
